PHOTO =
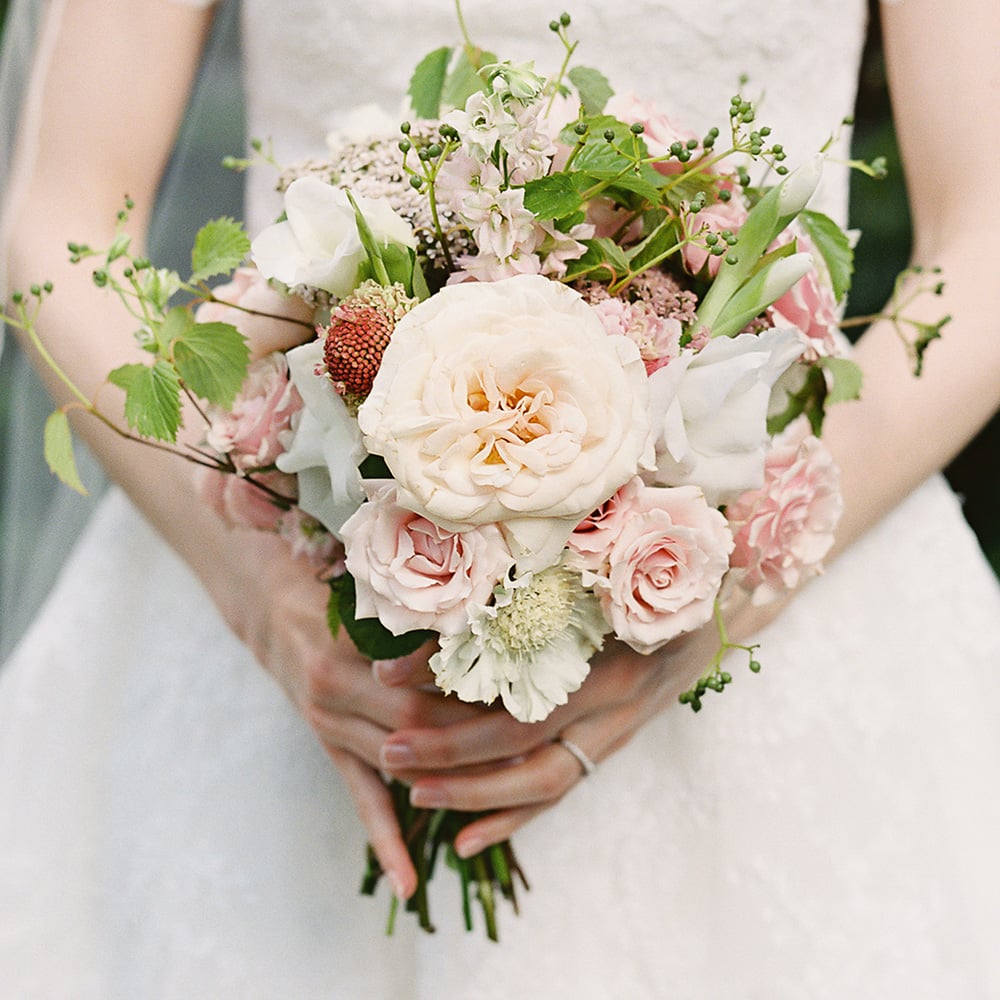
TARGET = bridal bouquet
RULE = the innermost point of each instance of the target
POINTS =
(534, 369)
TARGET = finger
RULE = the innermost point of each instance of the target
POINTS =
(406, 671)
(374, 807)
(544, 776)
(493, 829)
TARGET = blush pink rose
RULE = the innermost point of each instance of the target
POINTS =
(665, 568)
(411, 574)
(592, 540)
(276, 321)
(250, 433)
(784, 529)
(660, 133)
(241, 504)
(713, 218)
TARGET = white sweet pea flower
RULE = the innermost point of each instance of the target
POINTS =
(318, 243)
(710, 409)
(325, 447)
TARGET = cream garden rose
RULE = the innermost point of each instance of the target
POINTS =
(507, 402)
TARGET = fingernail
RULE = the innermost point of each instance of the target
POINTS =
(428, 798)
(398, 889)
(394, 755)
(470, 846)
(389, 672)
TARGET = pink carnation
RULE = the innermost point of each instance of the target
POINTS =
(784, 529)
(240, 503)
(411, 574)
(287, 321)
(665, 568)
(250, 432)
(810, 306)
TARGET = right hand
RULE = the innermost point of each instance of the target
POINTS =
(278, 608)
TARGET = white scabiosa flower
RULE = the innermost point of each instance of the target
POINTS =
(531, 646)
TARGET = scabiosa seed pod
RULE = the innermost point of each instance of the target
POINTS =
(356, 337)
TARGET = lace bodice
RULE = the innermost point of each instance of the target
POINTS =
(308, 63)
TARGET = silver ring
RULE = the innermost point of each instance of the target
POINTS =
(589, 767)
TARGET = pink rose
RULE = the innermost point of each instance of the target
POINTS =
(250, 432)
(660, 133)
(665, 568)
(713, 218)
(286, 323)
(592, 540)
(241, 504)
(411, 574)
(784, 529)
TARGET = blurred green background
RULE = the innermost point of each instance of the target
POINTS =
(879, 208)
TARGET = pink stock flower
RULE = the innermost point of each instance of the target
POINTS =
(286, 323)
(665, 567)
(658, 339)
(250, 432)
(784, 529)
(411, 574)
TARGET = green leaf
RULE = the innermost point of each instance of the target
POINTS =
(846, 378)
(593, 88)
(219, 248)
(333, 607)
(175, 325)
(427, 83)
(834, 247)
(59, 451)
(464, 80)
(603, 261)
(152, 398)
(212, 359)
(552, 197)
(374, 467)
(808, 399)
(369, 635)
(119, 248)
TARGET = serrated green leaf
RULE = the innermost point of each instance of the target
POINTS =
(553, 197)
(175, 324)
(369, 635)
(219, 248)
(152, 398)
(593, 87)
(464, 80)
(58, 439)
(427, 83)
(603, 260)
(212, 359)
(846, 377)
(834, 247)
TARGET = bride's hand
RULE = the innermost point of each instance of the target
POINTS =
(278, 608)
(494, 762)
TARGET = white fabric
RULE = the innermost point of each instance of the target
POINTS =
(170, 829)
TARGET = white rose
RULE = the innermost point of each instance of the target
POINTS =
(507, 402)
(325, 446)
(710, 412)
(318, 243)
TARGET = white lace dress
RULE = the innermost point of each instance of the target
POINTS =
(169, 827)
